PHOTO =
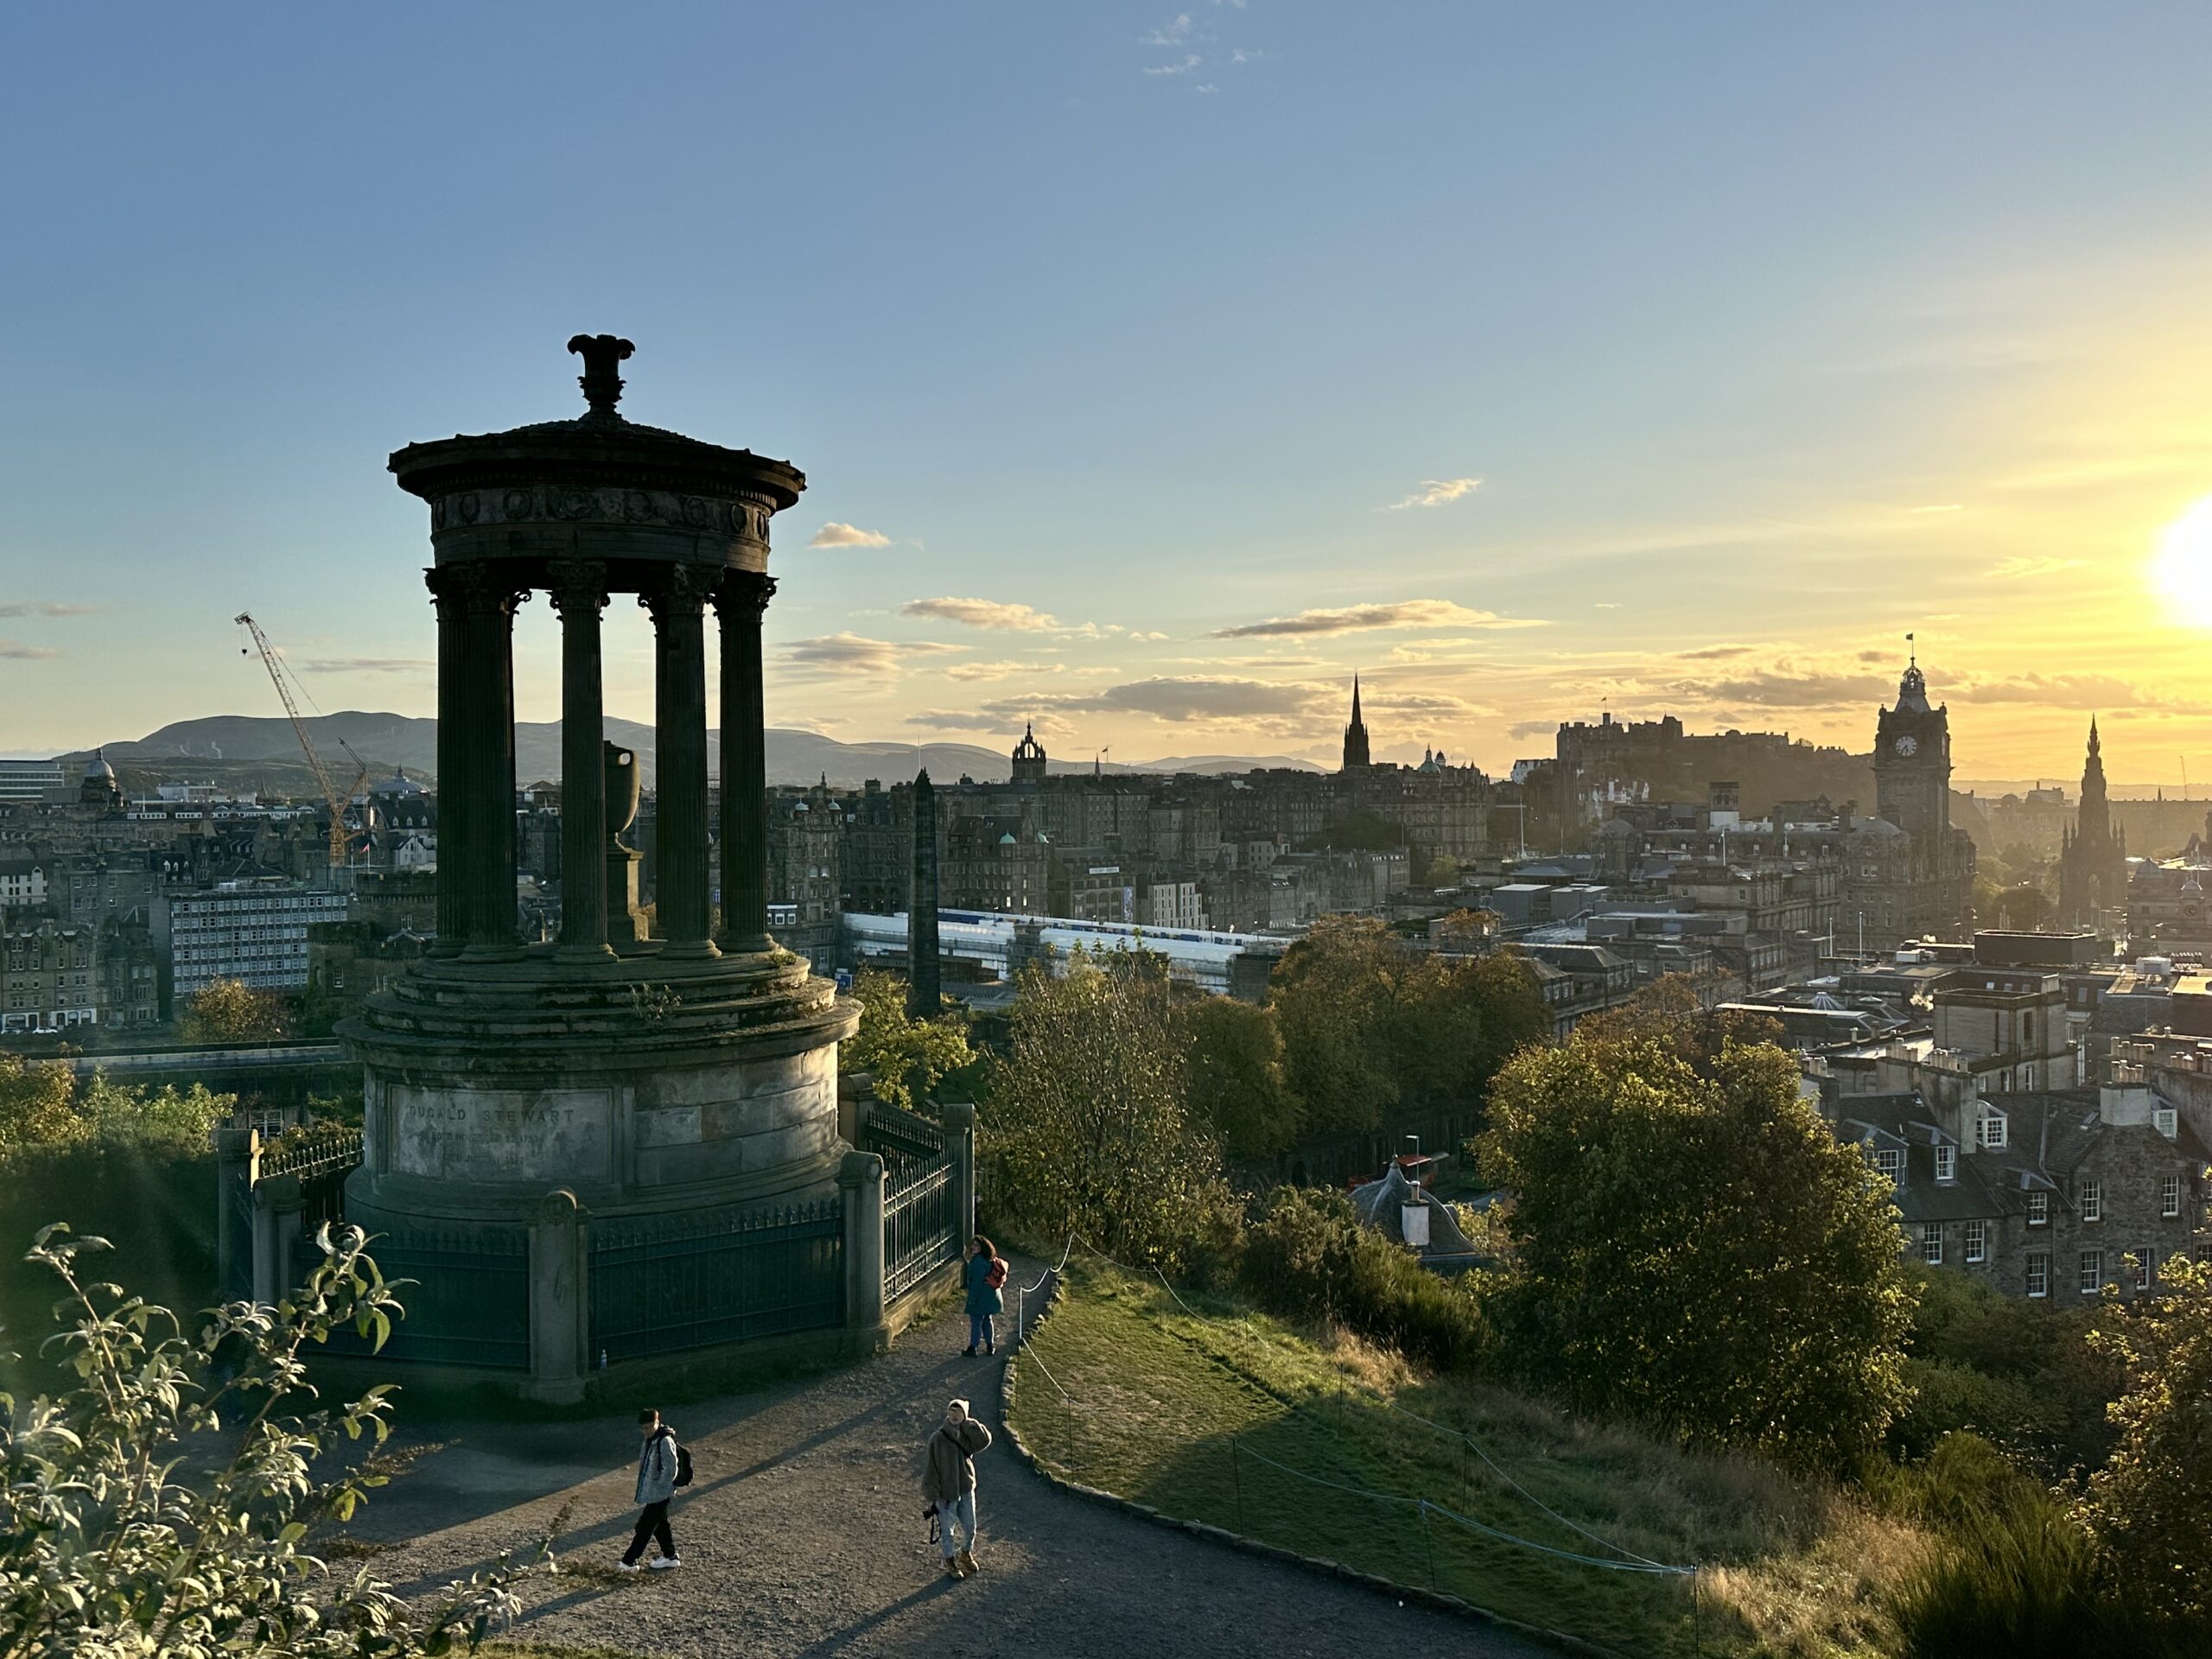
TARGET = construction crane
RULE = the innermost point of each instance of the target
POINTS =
(277, 675)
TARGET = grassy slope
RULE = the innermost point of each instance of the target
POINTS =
(1155, 1398)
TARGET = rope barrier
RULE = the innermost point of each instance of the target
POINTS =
(1633, 1563)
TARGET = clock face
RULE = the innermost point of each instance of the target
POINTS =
(1908, 745)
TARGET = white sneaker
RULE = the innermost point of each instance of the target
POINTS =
(662, 1563)
(625, 1566)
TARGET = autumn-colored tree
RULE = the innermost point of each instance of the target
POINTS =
(2151, 1505)
(1675, 1011)
(229, 1011)
(1088, 1127)
(1372, 1024)
(1236, 1076)
(44, 1103)
(905, 1056)
(37, 1103)
(1695, 1251)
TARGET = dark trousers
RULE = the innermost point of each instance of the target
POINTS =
(652, 1523)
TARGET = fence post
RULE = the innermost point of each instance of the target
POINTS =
(237, 1152)
(276, 1205)
(860, 1185)
(959, 1120)
(560, 1298)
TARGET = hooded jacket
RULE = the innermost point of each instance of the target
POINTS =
(950, 1470)
(657, 1467)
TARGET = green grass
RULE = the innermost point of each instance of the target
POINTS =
(1178, 1413)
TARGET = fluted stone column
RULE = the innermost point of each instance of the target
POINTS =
(578, 589)
(448, 594)
(680, 726)
(740, 603)
(488, 716)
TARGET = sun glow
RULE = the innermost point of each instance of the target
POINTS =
(2182, 570)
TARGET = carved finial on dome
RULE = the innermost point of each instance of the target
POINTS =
(602, 379)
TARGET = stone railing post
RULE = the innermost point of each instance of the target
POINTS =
(237, 1152)
(860, 1185)
(959, 1120)
(560, 1298)
(278, 1202)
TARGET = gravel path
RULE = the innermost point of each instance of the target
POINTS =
(803, 1537)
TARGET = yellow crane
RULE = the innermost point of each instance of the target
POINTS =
(277, 676)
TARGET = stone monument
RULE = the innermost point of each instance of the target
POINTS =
(610, 1075)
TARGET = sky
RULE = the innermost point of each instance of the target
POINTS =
(1154, 369)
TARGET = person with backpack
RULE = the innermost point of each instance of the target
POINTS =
(949, 1484)
(663, 1466)
(985, 1277)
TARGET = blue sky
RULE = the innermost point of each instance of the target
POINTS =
(1185, 358)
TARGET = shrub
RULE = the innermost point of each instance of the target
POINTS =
(2013, 1572)
(1307, 1257)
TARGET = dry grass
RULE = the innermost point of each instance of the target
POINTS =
(1829, 1596)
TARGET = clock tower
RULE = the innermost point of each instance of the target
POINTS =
(1912, 765)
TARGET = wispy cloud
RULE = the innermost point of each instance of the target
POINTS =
(852, 655)
(991, 671)
(25, 608)
(986, 614)
(21, 653)
(1436, 492)
(833, 534)
(366, 664)
(2020, 566)
(1352, 619)
(1180, 698)
(1191, 61)
(1174, 32)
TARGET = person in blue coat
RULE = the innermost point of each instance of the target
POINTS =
(985, 1278)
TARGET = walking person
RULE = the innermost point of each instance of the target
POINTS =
(660, 1462)
(985, 1277)
(949, 1483)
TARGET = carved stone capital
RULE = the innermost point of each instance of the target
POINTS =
(681, 590)
(744, 595)
(574, 585)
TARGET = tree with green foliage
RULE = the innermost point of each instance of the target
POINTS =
(1236, 1076)
(1696, 1251)
(43, 1103)
(229, 1011)
(169, 1503)
(905, 1056)
(2151, 1505)
(1089, 1128)
(1372, 1024)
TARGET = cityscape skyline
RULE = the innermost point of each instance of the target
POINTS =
(1335, 370)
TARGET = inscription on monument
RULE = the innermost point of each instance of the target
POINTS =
(554, 1135)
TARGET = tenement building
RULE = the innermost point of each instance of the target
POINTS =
(2047, 1194)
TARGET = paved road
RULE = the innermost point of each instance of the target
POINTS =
(803, 1537)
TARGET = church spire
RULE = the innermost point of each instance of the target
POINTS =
(1356, 752)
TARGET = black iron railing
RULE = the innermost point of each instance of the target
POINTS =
(660, 1284)
(921, 1229)
(902, 1137)
(469, 1304)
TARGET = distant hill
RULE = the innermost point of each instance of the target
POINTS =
(258, 753)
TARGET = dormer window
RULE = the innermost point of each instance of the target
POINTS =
(1992, 1130)
(2162, 1119)
(1946, 1163)
(1890, 1161)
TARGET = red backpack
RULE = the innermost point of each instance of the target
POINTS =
(996, 1277)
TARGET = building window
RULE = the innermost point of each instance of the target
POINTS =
(2090, 1196)
(1993, 1129)
(1977, 1240)
(2169, 1196)
(2093, 1271)
(2146, 1267)
(1946, 1163)
(2038, 1209)
(2039, 1273)
(2162, 1119)
(1931, 1242)
(1890, 1161)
